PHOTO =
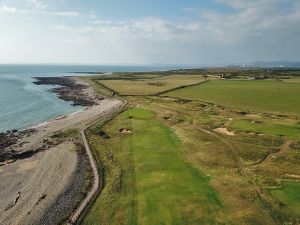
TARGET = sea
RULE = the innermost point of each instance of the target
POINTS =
(24, 104)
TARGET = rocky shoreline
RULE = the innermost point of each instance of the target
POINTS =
(11, 149)
(69, 90)
(43, 173)
(9, 139)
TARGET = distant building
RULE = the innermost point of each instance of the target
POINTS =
(225, 76)
(258, 77)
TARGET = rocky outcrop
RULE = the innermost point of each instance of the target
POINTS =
(69, 90)
(9, 139)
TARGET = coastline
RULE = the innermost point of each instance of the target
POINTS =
(43, 156)
(73, 88)
(70, 89)
(47, 122)
(25, 104)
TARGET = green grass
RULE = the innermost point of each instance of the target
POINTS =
(169, 190)
(115, 204)
(147, 178)
(292, 131)
(203, 118)
(144, 85)
(153, 176)
(168, 172)
(262, 96)
(139, 113)
(289, 196)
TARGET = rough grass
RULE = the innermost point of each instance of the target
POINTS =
(289, 196)
(260, 96)
(100, 89)
(115, 204)
(296, 145)
(204, 151)
(142, 86)
(211, 156)
(72, 133)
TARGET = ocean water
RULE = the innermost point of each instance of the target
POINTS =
(24, 104)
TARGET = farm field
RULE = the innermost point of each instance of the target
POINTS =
(149, 86)
(295, 80)
(237, 167)
(258, 96)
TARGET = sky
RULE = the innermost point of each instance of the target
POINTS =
(184, 32)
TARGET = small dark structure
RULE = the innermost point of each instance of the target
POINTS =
(102, 134)
(158, 83)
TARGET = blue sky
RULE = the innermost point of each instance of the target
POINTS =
(197, 32)
(122, 9)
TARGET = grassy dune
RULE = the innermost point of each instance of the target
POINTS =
(260, 96)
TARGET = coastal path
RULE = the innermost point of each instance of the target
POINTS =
(90, 195)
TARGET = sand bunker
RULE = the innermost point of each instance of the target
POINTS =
(223, 130)
(125, 130)
(292, 176)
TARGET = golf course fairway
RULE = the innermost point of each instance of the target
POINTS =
(168, 189)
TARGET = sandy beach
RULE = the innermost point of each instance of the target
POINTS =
(46, 187)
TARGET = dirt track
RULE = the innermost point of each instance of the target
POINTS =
(95, 187)
(96, 181)
(284, 148)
